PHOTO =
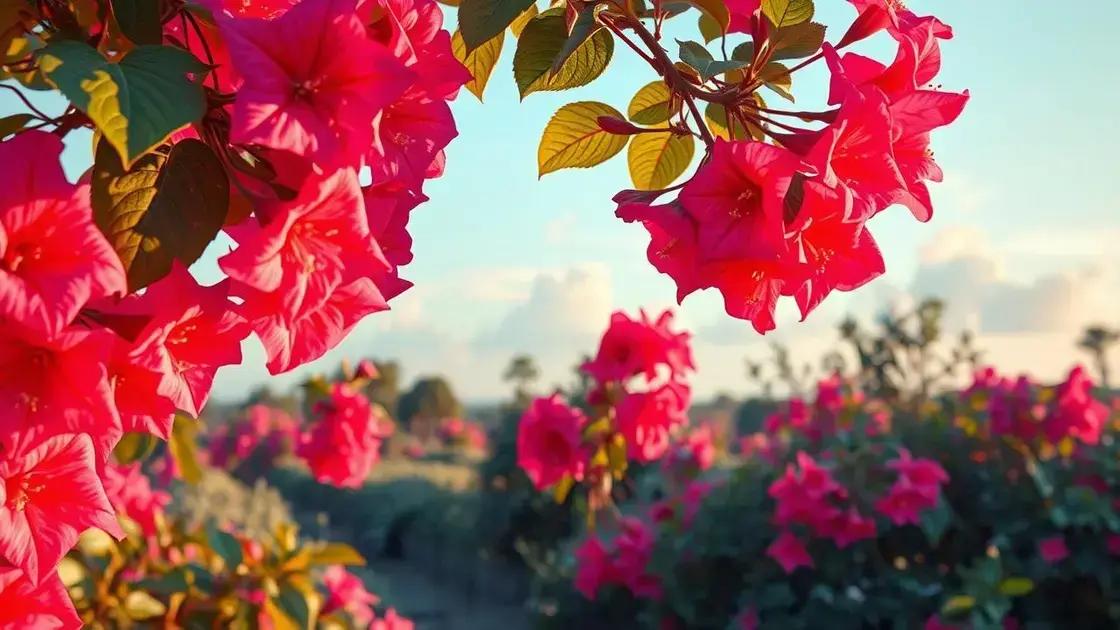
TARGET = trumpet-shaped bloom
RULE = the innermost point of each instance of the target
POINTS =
(58, 386)
(646, 419)
(53, 259)
(193, 331)
(45, 606)
(345, 442)
(49, 493)
(313, 81)
(640, 346)
(788, 551)
(549, 441)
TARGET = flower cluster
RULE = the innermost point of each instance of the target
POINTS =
(759, 219)
(260, 426)
(916, 489)
(346, 594)
(344, 443)
(1022, 409)
(104, 329)
(624, 563)
(808, 496)
(639, 399)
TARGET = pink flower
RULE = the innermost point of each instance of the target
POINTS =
(131, 494)
(1076, 413)
(313, 81)
(673, 249)
(646, 419)
(410, 134)
(392, 621)
(142, 408)
(633, 548)
(937, 623)
(1053, 550)
(920, 472)
(58, 386)
(1112, 543)
(904, 502)
(747, 619)
(45, 606)
(346, 592)
(805, 495)
(851, 527)
(788, 551)
(549, 442)
(53, 259)
(344, 443)
(49, 493)
(640, 346)
(193, 331)
(594, 568)
(914, 116)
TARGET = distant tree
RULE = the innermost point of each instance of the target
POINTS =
(522, 371)
(385, 390)
(1098, 340)
(430, 400)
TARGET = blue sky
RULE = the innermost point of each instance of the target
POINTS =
(1022, 239)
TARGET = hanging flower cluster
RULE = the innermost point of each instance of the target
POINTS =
(252, 119)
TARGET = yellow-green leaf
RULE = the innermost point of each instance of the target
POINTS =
(134, 446)
(709, 28)
(479, 62)
(1016, 586)
(650, 105)
(336, 553)
(573, 138)
(787, 12)
(777, 77)
(139, 605)
(716, 116)
(658, 159)
(543, 41)
(716, 9)
(184, 449)
(562, 488)
(799, 40)
(136, 103)
(519, 23)
(958, 604)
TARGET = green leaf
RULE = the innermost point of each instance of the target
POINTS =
(716, 10)
(166, 207)
(177, 580)
(294, 605)
(225, 545)
(13, 123)
(695, 55)
(650, 104)
(574, 139)
(797, 41)
(582, 29)
(934, 522)
(1016, 586)
(183, 448)
(479, 62)
(777, 77)
(134, 447)
(658, 159)
(482, 20)
(542, 42)
(139, 21)
(136, 103)
(782, 13)
(744, 52)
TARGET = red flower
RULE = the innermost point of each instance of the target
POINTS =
(640, 346)
(49, 493)
(344, 443)
(594, 568)
(313, 81)
(1053, 550)
(53, 259)
(45, 606)
(1076, 414)
(633, 548)
(645, 419)
(346, 592)
(788, 551)
(549, 441)
(131, 494)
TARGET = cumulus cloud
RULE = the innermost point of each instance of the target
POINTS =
(961, 267)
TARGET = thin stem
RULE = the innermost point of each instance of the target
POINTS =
(205, 47)
(612, 27)
(26, 102)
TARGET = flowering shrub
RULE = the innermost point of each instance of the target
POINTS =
(991, 508)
